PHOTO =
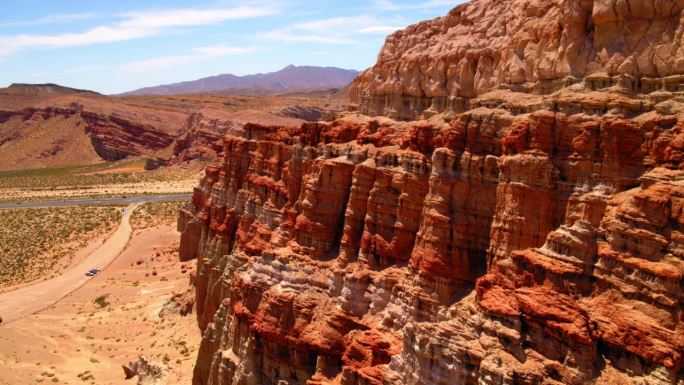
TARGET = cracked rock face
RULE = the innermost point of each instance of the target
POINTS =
(497, 249)
(534, 46)
(531, 238)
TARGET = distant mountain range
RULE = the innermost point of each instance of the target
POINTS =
(289, 79)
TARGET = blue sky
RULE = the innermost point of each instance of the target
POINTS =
(117, 46)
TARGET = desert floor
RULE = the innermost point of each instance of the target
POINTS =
(77, 335)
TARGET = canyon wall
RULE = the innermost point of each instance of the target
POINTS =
(52, 131)
(542, 247)
(537, 46)
(533, 234)
(114, 134)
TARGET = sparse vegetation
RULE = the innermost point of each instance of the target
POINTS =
(38, 243)
(86, 376)
(100, 180)
(101, 301)
(155, 214)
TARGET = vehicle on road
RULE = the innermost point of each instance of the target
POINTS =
(92, 272)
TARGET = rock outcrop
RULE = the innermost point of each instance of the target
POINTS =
(111, 135)
(117, 135)
(51, 126)
(535, 46)
(496, 249)
(533, 235)
(149, 373)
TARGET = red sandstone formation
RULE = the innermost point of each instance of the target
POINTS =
(535, 237)
(39, 129)
(535, 46)
(115, 136)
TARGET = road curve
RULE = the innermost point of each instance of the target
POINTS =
(31, 299)
(98, 201)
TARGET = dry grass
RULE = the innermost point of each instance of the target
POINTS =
(39, 243)
(96, 181)
(155, 214)
(84, 177)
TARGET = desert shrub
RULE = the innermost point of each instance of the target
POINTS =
(37, 243)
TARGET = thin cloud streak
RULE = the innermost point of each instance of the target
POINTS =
(58, 18)
(335, 30)
(135, 25)
(384, 29)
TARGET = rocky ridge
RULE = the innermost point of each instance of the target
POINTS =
(114, 133)
(532, 237)
(499, 248)
(535, 47)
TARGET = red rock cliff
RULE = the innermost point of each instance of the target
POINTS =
(499, 248)
(537, 46)
(536, 238)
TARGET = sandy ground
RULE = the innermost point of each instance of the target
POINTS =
(63, 265)
(75, 335)
(22, 302)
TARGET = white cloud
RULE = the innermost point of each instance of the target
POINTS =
(335, 30)
(134, 25)
(385, 5)
(286, 36)
(57, 18)
(189, 17)
(199, 53)
(385, 29)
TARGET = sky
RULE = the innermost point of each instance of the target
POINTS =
(117, 46)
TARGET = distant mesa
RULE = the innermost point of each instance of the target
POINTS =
(44, 88)
(288, 80)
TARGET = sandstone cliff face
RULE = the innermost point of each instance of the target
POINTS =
(501, 248)
(532, 235)
(534, 46)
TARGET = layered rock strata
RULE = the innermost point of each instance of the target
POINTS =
(513, 244)
(535, 47)
(527, 231)
(112, 136)
(116, 135)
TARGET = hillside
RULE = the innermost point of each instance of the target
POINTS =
(55, 126)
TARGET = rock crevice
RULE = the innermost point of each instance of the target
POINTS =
(493, 248)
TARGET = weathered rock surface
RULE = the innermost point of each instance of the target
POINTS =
(149, 373)
(52, 126)
(533, 235)
(542, 247)
(535, 46)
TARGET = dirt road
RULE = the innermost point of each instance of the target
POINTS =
(28, 300)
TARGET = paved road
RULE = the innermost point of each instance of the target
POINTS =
(31, 299)
(98, 201)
